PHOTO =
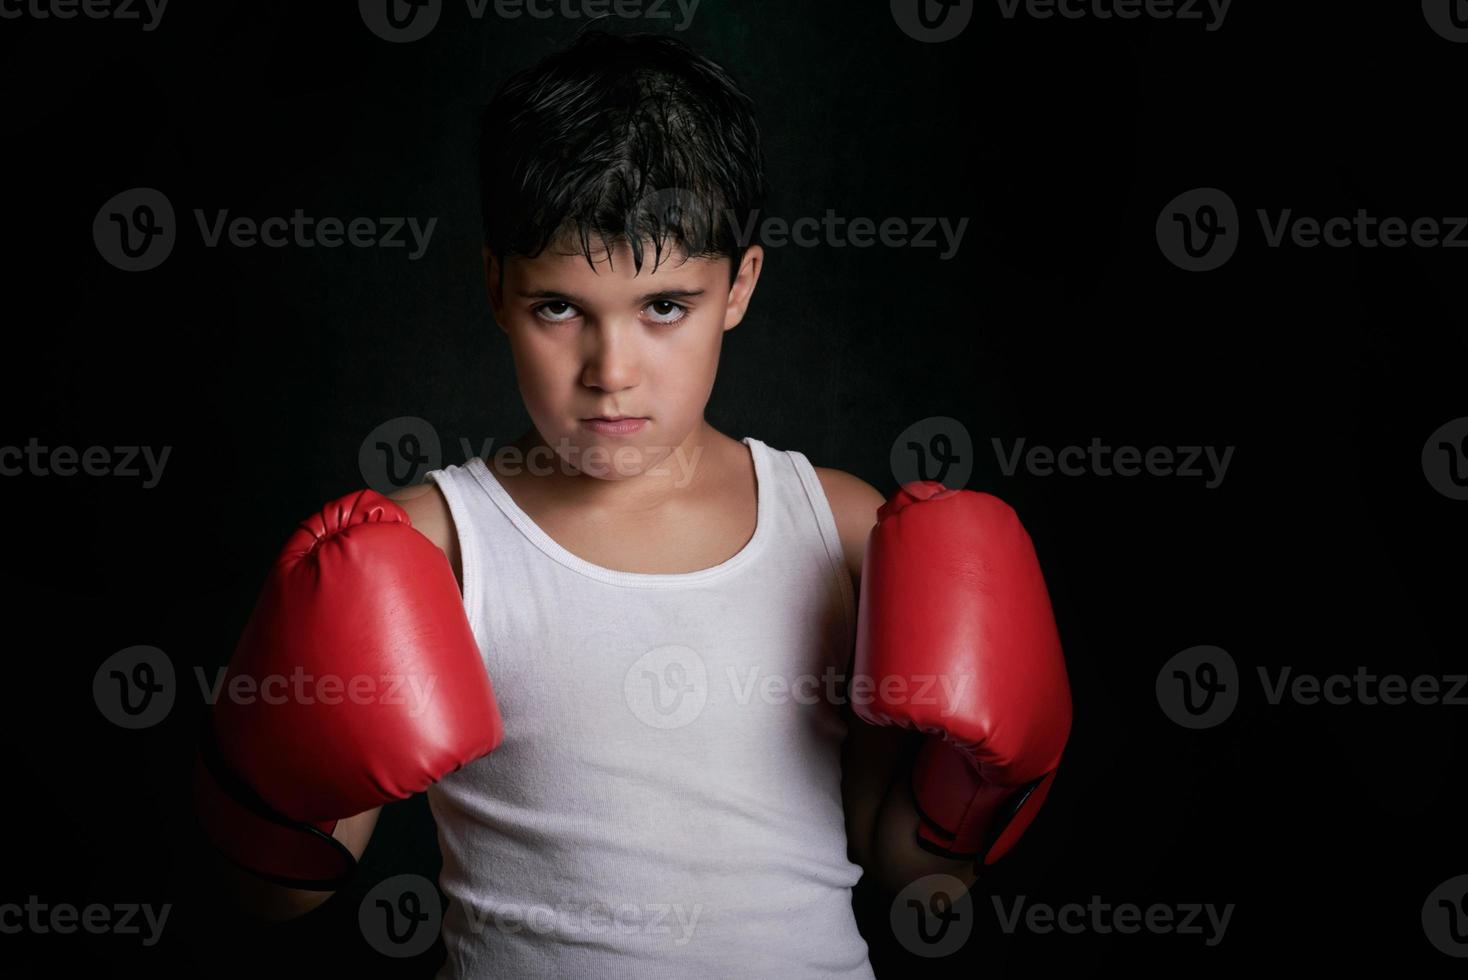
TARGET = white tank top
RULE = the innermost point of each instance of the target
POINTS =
(667, 798)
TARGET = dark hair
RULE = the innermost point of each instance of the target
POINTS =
(626, 137)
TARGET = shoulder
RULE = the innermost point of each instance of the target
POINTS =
(429, 513)
(854, 504)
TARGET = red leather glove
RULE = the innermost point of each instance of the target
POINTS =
(359, 596)
(951, 590)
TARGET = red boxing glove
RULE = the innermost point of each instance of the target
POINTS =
(392, 695)
(956, 632)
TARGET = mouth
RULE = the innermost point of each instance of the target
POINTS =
(615, 425)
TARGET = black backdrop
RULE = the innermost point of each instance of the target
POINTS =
(1328, 546)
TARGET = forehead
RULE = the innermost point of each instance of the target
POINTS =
(611, 270)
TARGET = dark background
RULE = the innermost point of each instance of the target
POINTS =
(1060, 320)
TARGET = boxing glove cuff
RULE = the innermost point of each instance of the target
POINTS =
(963, 815)
(256, 837)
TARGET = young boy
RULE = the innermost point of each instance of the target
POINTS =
(678, 787)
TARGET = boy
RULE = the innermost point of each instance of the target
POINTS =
(672, 786)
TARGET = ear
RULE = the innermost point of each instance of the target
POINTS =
(742, 290)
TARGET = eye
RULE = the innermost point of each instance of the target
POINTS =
(679, 309)
(564, 318)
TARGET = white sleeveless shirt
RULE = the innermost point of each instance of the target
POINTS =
(667, 798)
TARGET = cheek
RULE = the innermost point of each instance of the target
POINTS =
(691, 355)
(542, 358)
(683, 374)
(537, 373)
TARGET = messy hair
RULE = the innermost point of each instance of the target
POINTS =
(625, 138)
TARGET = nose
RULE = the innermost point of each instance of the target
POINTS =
(611, 357)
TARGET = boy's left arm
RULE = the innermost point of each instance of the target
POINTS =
(876, 763)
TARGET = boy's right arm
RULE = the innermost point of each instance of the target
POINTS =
(408, 757)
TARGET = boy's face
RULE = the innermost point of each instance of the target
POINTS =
(609, 341)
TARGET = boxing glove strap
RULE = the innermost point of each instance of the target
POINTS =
(934, 838)
(235, 802)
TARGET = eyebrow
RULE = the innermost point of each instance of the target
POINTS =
(643, 300)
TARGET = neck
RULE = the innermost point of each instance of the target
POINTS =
(663, 476)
